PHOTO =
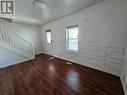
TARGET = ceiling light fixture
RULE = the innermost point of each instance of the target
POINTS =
(39, 4)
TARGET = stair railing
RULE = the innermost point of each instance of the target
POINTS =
(13, 39)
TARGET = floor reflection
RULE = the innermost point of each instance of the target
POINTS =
(51, 70)
(73, 79)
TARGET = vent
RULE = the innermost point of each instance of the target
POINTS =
(69, 63)
(51, 58)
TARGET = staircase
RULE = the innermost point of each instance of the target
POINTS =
(12, 42)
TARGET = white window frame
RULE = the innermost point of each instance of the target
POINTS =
(67, 39)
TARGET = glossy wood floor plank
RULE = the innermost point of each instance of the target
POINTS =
(54, 77)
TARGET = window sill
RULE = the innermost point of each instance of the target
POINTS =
(72, 51)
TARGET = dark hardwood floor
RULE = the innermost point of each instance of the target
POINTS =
(54, 77)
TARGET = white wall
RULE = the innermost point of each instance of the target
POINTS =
(126, 76)
(28, 32)
(124, 71)
(102, 36)
(8, 58)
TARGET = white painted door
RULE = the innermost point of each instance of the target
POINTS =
(49, 42)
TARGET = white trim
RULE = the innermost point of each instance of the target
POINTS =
(13, 49)
(103, 69)
(18, 62)
(67, 38)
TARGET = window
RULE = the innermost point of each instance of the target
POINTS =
(48, 35)
(72, 38)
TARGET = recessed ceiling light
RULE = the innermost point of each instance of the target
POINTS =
(39, 4)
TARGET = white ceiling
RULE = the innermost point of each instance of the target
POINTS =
(27, 13)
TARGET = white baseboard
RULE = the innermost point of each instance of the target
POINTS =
(37, 53)
(103, 69)
(123, 85)
(21, 61)
(18, 62)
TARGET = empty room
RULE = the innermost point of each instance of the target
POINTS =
(63, 47)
